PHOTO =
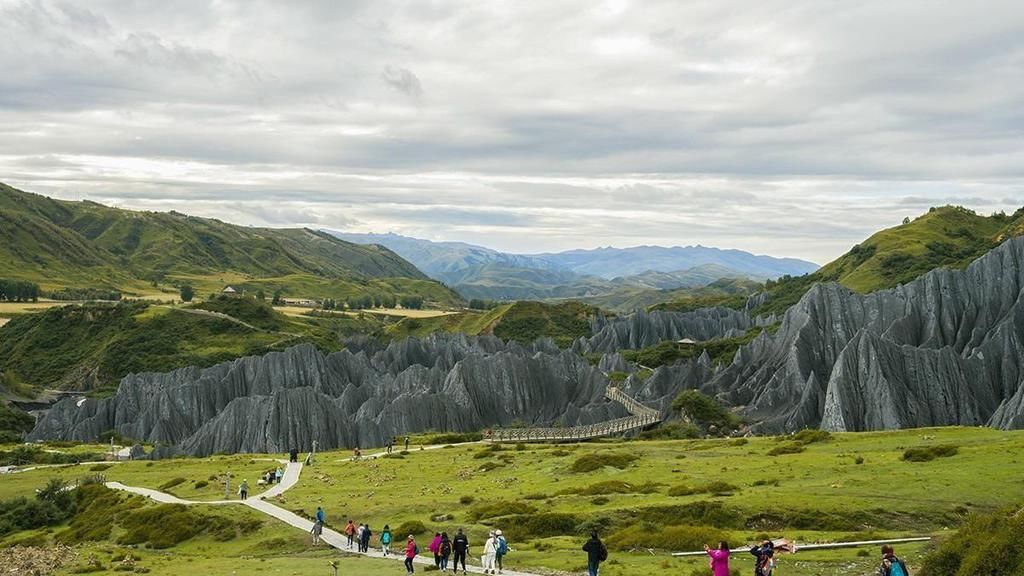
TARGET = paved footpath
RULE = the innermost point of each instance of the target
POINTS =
(334, 539)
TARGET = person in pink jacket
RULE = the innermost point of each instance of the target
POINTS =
(719, 559)
(435, 547)
(411, 550)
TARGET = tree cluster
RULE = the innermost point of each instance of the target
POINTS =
(18, 291)
(412, 302)
(480, 304)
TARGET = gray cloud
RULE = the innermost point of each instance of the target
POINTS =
(793, 128)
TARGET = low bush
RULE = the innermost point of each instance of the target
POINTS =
(453, 438)
(674, 431)
(100, 467)
(985, 544)
(414, 527)
(929, 453)
(171, 483)
(536, 496)
(706, 412)
(790, 448)
(715, 488)
(811, 436)
(700, 513)
(599, 501)
(598, 460)
(488, 466)
(488, 451)
(201, 484)
(162, 526)
(671, 538)
(543, 525)
(496, 509)
(466, 500)
(614, 487)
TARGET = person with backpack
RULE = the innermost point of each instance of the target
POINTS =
(243, 489)
(719, 559)
(411, 550)
(321, 517)
(316, 530)
(385, 540)
(446, 551)
(350, 531)
(435, 549)
(490, 553)
(359, 537)
(596, 553)
(891, 564)
(365, 539)
(460, 548)
(502, 548)
(764, 553)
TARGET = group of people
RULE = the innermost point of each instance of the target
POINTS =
(389, 445)
(764, 563)
(271, 476)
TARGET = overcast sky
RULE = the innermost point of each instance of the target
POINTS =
(781, 127)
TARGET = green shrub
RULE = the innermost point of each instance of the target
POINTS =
(715, 488)
(466, 500)
(162, 526)
(496, 509)
(672, 538)
(700, 513)
(488, 466)
(673, 431)
(599, 501)
(414, 527)
(985, 544)
(453, 438)
(171, 483)
(100, 467)
(810, 436)
(201, 484)
(791, 448)
(536, 496)
(543, 525)
(614, 487)
(598, 460)
(705, 411)
(929, 453)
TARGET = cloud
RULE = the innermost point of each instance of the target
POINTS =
(793, 128)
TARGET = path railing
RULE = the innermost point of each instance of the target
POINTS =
(640, 417)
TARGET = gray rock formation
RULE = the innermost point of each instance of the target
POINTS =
(943, 349)
(641, 329)
(289, 399)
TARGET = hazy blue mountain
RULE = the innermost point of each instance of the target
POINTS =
(479, 272)
(612, 262)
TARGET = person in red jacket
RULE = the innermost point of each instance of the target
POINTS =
(411, 550)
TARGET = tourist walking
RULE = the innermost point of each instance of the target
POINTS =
(502, 548)
(359, 537)
(316, 530)
(365, 539)
(411, 550)
(293, 455)
(435, 549)
(596, 553)
(446, 551)
(243, 489)
(385, 540)
(764, 553)
(719, 558)
(490, 553)
(350, 530)
(460, 548)
(891, 564)
(321, 517)
(279, 474)
(389, 445)
(406, 442)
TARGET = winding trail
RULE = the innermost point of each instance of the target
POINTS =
(335, 539)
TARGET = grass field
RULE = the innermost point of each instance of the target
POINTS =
(662, 499)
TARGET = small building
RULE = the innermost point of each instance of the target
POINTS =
(686, 342)
(229, 291)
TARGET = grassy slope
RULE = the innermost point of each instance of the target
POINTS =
(522, 321)
(883, 496)
(949, 236)
(84, 244)
(93, 347)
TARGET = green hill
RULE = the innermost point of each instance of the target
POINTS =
(60, 244)
(92, 347)
(948, 236)
(521, 321)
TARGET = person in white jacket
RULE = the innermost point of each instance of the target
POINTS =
(490, 553)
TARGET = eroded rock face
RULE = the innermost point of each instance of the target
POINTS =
(943, 349)
(288, 399)
(642, 329)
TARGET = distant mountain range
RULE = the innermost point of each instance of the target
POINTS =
(479, 272)
(60, 244)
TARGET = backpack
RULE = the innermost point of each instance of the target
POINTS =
(502, 546)
(602, 554)
(896, 569)
(446, 547)
(416, 550)
(385, 538)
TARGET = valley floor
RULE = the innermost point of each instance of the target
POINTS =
(649, 498)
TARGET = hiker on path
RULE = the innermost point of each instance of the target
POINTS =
(389, 445)
(411, 549)
(350, 530)
(719, 559)
(279, 474)
(435, 548)
(765, 554)
(460, 547)
(446, 551)
(359, 537)
(385, 540)
(596, 553)
(891, 564)
(243, 489)
(502, 548)
(293, 455)
(316, 530)
(365, 542)
(490, 553)
(406, 442)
